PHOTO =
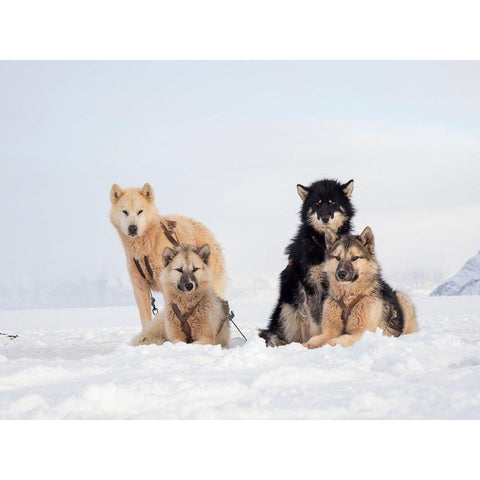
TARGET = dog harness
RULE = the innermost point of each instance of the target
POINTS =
(170, 232)
(347, 309)
(183, 317)
(172, 237)
(147, 266)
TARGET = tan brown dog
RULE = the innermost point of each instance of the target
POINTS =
(358, 299)
(145, 234)
(193, 313)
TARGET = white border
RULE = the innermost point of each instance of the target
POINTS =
(247, 449)
(250, 29)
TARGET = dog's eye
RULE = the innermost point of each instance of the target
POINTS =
(125, 213)
(319, 202)
(331, 202)
(139, 212)
(179, 270)
(337, 258)
(354, 259)
(195, 269)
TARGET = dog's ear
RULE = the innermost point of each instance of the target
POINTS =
(204, 253)
(330, 238)
(303, 192)
(147, 192)
(168, 255)
(115, 193)
(348, 188)
(367, 239)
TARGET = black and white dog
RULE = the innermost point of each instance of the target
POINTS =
(297, 315)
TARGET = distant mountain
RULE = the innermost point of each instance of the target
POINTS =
(465, 282)
(93, 292)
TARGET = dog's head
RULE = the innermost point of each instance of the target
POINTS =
(133, 209)
(350, 257)
(326, 204)
(186, 267)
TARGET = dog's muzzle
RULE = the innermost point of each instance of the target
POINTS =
(132, 230)
(187, 283)
(346, 273)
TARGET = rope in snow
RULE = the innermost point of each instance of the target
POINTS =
(231, 319)
(9, 336)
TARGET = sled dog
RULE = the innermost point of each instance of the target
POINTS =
(145, 234)
(358, 298)
(193, 312)
(325, 205)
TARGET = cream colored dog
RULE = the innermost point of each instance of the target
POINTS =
(193, 313)
(145, 235)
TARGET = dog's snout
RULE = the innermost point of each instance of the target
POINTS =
(325, 219)
(342, 274)
(132, 230)
(189, 286)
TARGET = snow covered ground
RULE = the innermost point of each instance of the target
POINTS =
(78, 363)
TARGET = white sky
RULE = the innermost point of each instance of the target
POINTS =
(226, 143)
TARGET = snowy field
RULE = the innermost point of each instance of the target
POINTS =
(78, 364)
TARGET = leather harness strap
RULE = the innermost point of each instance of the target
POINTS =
(139, 268)
(147, 266)
(171, 237)
(347, 309)
(170, 232)
(183, 317)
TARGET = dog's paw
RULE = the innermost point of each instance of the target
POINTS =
(343, 341)
(311, 344)
(138, 340)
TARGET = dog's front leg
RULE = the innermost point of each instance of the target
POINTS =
(346, 340)
(319, 340)
(332, 326)
(365, 316)
(142, 297)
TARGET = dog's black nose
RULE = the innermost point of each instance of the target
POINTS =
(132, 230)
(325, 219)
(189, 287)
(342, 274)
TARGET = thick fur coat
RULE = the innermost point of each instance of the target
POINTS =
(193, 312)
(297, 315)
(134, 214)
(358, 298)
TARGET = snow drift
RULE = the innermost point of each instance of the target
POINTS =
(78, 363)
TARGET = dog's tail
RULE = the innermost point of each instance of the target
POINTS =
(409, 315)
(271, 339)
(153, 332)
